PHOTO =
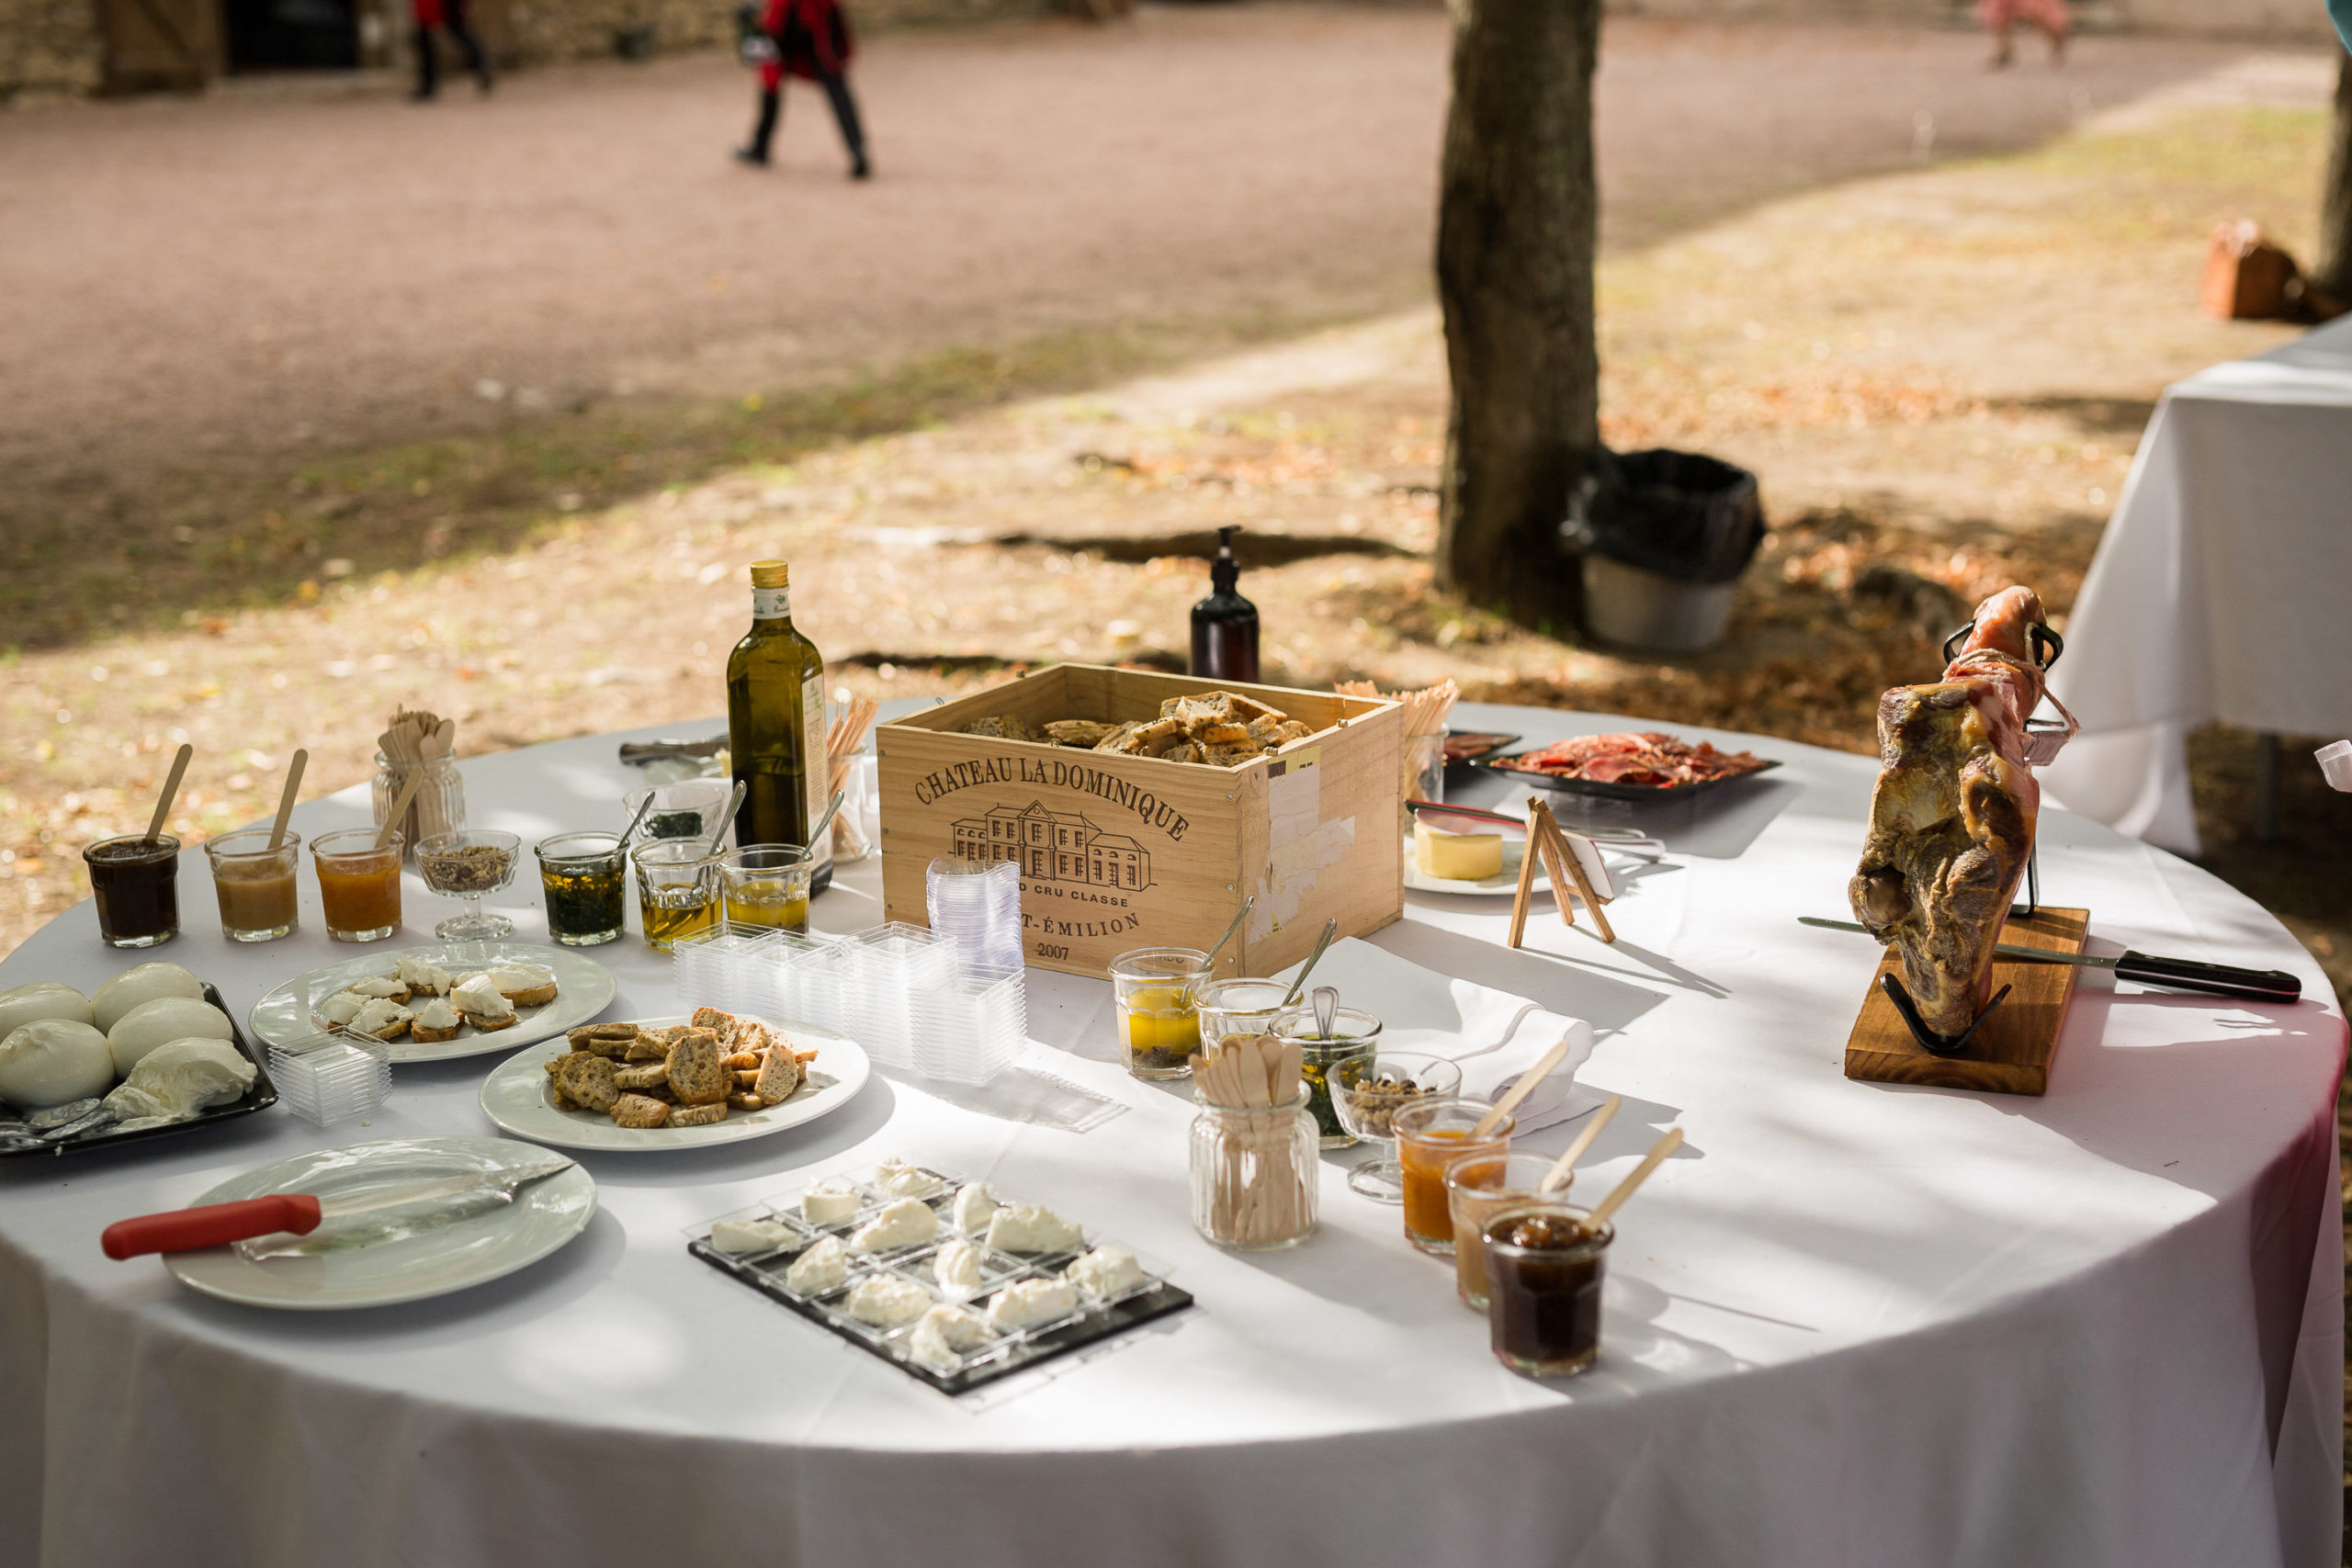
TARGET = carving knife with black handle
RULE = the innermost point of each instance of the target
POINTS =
(2177, 974)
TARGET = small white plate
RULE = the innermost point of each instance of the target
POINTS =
(583, 988)
(514, 1096)
(480, 1248)
(1504, 881)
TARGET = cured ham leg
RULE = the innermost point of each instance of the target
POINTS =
(1952, 815)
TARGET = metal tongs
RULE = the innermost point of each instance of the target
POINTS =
(637, 751)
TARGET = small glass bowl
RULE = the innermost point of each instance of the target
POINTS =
(470, 865)
(1366, 1093)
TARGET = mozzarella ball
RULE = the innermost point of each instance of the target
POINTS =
(143, 983)
(159, 1022)
(41, 998)
(52, 1061)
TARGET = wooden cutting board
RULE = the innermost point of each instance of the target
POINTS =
(2011, 1054)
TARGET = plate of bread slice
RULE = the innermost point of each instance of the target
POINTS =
(673, 1083)
(427, 1004)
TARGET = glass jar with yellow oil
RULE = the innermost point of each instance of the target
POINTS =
(1158, 1001)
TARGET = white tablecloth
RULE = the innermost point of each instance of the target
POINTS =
(2223, 590)
(1850, 1324)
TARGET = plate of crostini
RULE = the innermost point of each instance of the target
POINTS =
(428, 1004)
(673, 1083)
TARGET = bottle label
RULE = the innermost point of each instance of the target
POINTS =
(817, 767)
(771, 604)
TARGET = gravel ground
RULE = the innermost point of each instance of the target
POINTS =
(203, 297)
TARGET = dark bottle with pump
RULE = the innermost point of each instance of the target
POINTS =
(1225, 624)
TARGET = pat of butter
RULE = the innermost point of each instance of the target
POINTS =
(1457, 857)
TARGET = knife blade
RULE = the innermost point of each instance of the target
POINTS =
(2177, 974)
(299, 1214)
(1608, 838)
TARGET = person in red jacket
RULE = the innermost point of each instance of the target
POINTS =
(449, 15)
(807, 38)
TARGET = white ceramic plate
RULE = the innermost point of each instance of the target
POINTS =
(1504, 881)
(515, 1098)
(480, 1248)
(583, 988)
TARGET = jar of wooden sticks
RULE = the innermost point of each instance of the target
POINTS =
(1256, 1177)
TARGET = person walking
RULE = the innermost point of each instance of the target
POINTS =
(807, 38)
(449, 15)
(2001, 18)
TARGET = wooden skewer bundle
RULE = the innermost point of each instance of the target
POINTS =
(415, 741)
(844, 739)
(1425, 712)
(1259, 1187)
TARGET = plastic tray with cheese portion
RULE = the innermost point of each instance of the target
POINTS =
(876, 1297)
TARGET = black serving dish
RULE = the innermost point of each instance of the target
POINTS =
(1500, 767)
(1091, 1327)
(1465, 746)
(260, 1097)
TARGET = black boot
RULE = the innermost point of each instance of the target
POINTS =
(427, 67)
(771, 103)
(852, 134)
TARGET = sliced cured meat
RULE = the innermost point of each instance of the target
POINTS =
(1651, 759)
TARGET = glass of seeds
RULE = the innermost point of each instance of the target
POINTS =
(1366, 1093)
(1354, 1032)
(584, 876)
(469, 865)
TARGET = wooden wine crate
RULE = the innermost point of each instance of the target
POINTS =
(1119, 852)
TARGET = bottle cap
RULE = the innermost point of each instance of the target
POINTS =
(768, 574)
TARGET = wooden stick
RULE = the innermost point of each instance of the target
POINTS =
(1616, 1199)
(171, 788)
(1560, 862)
(1521, 1090)
(400, 809)
(1518, 904)
(1557, 1176)
(285, 800)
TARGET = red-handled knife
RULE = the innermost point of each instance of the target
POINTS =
(214, 1225)
(299, 1214)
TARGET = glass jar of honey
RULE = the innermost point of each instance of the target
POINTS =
(359, 882)
(1430, 1136)
(255, 881)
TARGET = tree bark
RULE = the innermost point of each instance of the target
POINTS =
(2334, 271)
(1517, 213)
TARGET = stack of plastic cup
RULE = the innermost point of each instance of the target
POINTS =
(977, 903)
(882, 969)
(332, 1077)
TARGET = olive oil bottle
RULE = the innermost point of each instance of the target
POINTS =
(775, 726)
(1225, 624)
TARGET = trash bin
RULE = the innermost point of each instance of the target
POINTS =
(1664, 537)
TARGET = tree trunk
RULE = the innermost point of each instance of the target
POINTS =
(2334, 271)
(1516, 212)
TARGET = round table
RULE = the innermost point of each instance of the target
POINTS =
(1852, 1324)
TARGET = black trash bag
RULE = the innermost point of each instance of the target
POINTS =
(1680, 514)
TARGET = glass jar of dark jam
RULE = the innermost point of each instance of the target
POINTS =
(135, 880)
(1544, 1262)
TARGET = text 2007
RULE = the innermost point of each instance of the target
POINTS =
(1046, 950)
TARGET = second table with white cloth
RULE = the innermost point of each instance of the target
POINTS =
(1849, 1324)
(2222, 587)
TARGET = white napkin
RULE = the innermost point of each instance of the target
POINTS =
(1495, 1036)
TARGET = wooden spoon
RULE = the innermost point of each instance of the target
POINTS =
(1557, 1176)
(400, 809)
(285, 800)
(1520, 1090)
(1641, 1173)
(171, 788)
